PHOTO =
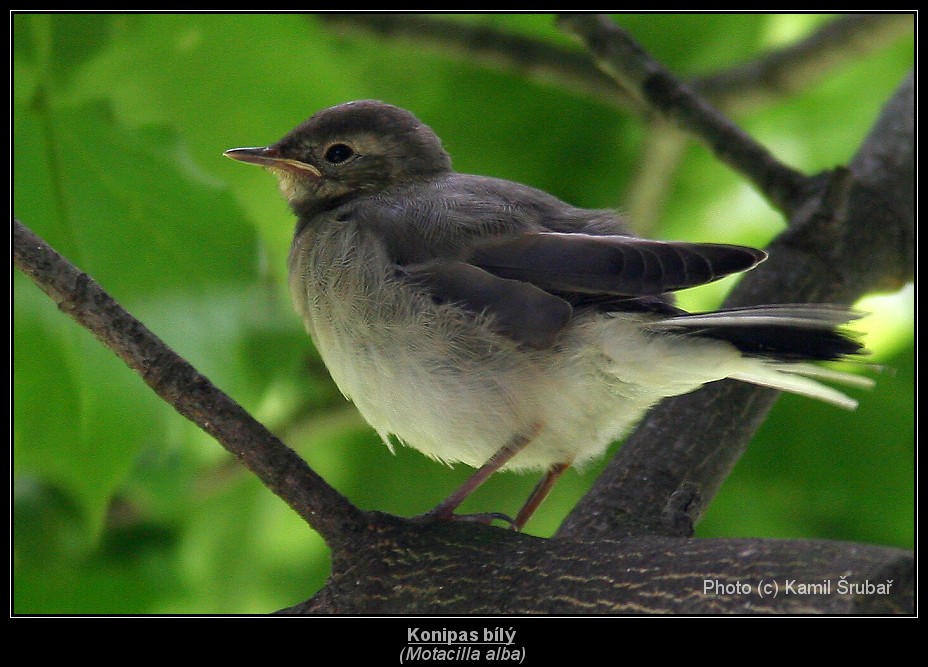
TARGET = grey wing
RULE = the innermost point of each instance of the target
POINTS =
(529, 283)
(609, 265)
(489, 250)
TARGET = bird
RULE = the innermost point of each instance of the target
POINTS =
(485, 322)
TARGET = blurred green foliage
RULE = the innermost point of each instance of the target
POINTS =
(119, 123)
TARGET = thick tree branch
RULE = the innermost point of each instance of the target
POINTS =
(178, 383)
(399, 567)
(855, 234)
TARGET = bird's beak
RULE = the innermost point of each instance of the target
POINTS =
(271, 158)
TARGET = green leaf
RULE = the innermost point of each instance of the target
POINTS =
(132, 208)
(80, 416)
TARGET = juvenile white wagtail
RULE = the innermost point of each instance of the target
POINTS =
(483, 321)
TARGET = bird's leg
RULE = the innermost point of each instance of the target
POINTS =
(539, 493)
(445, 509)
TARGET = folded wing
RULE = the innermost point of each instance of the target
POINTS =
(613, 265)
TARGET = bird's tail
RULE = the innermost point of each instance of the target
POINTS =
(778, 341)
(802, 378)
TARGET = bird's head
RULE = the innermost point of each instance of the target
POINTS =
(353, 148)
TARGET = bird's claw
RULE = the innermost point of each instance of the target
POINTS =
(485, 518)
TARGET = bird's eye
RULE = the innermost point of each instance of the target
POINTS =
(338, 153)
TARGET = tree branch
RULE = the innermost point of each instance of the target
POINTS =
(648, 81)
(532, 58)
(663, 148)
(781, 72)
(179, 384)
(400, 567)
(760, 81)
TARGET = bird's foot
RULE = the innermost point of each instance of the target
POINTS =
(485, 518)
